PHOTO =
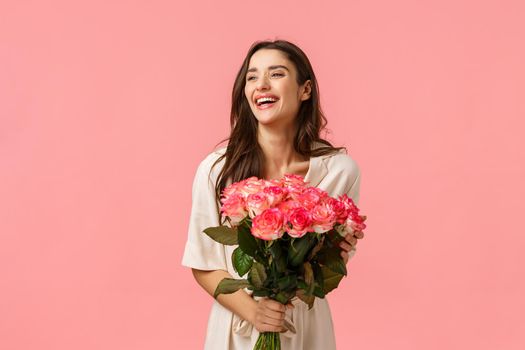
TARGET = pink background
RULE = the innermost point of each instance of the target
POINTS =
(107, 107)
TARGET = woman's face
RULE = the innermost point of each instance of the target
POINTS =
(271, 74)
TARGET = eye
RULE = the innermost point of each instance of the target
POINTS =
(273, 75)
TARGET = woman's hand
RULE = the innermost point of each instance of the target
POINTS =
(349, 242)
(269, 316)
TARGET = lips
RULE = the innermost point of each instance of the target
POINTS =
(265, 95)
(266, 105)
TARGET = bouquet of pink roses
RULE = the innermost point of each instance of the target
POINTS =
(288, 235)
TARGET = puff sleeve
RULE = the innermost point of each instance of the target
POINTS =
(353, 192)
(201, 252)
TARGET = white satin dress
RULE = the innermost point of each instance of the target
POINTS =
(337, 174)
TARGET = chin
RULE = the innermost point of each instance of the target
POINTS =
(272, 122)
(271, 119)
(266, 121)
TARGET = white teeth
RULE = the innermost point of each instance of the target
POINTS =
(266, 99)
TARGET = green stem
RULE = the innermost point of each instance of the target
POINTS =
(268, 341)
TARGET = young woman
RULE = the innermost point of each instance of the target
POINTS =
(276, 122)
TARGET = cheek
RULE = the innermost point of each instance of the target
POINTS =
(291, 101)
(247, 93)
(289, 93)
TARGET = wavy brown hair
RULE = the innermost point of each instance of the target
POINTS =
(244, 157)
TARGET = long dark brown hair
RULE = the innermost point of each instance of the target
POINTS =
(244, 157)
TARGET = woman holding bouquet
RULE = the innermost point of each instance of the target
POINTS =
(276, 121)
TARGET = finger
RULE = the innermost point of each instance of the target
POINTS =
(275, 306)
(273, 322)
(359, 234)
(345, 257)
(351, 239)
(345, 246)
(349, 236)
(363, 217)
(276, 315)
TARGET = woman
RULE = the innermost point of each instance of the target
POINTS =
(276, 122)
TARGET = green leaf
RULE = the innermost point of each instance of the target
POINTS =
(298, 249)
(330, 279)
(332, 259)
(284, 296)
(261, 293)
(222, 234)
(302, 284)
(309, 278)
(319, 280)
(230, 285)
(242, 262)
(287, 282)
(279, 259)
(318, 246)
(334, 237)
(247, 241)
(257, 275)
(307, 299)
(318, 291)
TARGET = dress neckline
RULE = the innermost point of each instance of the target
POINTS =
(310, 166)
(317, 169)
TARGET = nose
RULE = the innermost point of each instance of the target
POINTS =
(262, 82)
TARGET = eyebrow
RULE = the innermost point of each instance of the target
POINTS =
(270, 68)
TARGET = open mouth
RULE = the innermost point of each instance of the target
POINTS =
(266, 102)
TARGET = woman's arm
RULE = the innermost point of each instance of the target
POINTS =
(266, 315)
(239, 302)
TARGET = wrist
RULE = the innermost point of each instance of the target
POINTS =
(252, 311)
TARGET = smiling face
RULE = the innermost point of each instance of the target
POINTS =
(270, 74)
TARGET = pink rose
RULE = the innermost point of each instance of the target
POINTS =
(251, 185)
(351, 208)
(300, 222)
(286, 206)
(277, 182)
(268, 225)
(323, 218)
(293, 180)
(311, 197)
(275, 194)
(339, 209)
(256, 203)
(350, 226)
(354, 221)
(234, 207)
(295, 191)
(230, 189)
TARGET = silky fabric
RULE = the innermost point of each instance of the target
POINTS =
(336, 173)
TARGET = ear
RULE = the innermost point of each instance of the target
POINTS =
(307, 90)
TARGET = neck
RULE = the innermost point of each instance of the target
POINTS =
(278, 150)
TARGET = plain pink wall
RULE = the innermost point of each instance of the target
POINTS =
(107, 107)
